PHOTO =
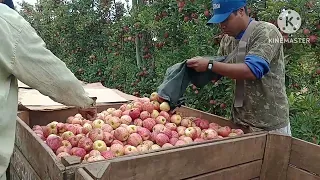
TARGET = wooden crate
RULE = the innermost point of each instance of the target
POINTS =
(264, 156)
(34, 160)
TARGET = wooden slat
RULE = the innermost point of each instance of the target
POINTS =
(24, 115)
(81, 174)
(38, 154)
(241, 172)
(305, 155)
(276, 157)
(13, 175)
(299, 174)
(22, 167)
(185, 162)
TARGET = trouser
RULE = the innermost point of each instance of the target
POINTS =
(3, 177)
(285, 130)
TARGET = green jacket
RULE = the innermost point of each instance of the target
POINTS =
(23, 56)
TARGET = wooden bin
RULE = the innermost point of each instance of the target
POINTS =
(264, 156)
(34, 160)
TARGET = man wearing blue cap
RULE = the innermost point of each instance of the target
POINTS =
(23, 56)
(255, 62)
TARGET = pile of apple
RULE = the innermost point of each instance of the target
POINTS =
(140, 126)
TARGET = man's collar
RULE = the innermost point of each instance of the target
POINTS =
(239, 36)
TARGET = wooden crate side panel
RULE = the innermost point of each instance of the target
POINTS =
(276, 157)
(305, 155)
(299, 174)
(241, 172)
(22, 167)
(39, 155)
(24, 116)
(12, 174)
(81, 174)
(188, 161)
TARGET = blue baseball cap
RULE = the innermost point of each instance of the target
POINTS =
(223, 8)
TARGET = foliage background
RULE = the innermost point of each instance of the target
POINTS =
(101, 41)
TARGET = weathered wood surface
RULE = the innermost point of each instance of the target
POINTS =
(276, 157)
(299, 174)
(182, 163)
(305, 155)
(39, 155)
(241, 172)
(22, 167)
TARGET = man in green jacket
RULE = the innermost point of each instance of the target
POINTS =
(23, 56)
(262, 68)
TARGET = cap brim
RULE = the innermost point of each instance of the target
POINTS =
(219, 18)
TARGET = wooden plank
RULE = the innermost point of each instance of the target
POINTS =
(22, 166)
(13, 175)
(276, 157)
(241, 172)
(299, 174)
(187, 111)
(81, 174)
(305, 155)
(37, 153)
(70, 160)
(24, 115)
(185, 162)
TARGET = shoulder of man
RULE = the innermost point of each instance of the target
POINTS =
(266, 29)
(11, 18)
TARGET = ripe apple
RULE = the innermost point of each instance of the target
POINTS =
(186, 122)
(61, 128)
(95, 134)
(86, 128)
(97, 123)
(156, 105)
(154, 147)
(209, 134)
(85, 143)
(154, 96)
(110, 110)
(181, 130)
(62, 154)
(132, 129)
(180, 143)
(99, 145)
(107, 154)
(134, 113)
(54, 142)
(107, 138)
(158, 128)
(224, 131)
(117, 149)
(130, 150)
(63, 149)
(171, 126)
(165, 107)
(176, 119)
(126, 119)
(66, 135)
(237, 131)
(149, 123)
(154, 114)
(114, 122)
(134, 139)
(121, 134)
(52, 128)
(161, 120)
(137, 122)
(167, 145)
(165, 115)
(144, 115)
(74, 140)
(191, 132)
(76, 121)
(117, 113)
(232, 134)
(142, 148)
(147, 106)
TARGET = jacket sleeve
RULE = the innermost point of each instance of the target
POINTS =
(36, 66)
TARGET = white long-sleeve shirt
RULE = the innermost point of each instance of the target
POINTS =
(23, 56)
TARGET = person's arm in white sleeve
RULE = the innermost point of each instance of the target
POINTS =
(36, 66)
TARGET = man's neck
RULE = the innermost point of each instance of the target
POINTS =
(246, 23)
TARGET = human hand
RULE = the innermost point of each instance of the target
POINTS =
(88, 113)
(198, 63)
